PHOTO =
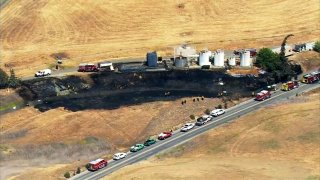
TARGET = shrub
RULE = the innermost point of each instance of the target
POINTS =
(219, 106)
(78, 170)
(67, 175)
(13, 81)
(207, 111)
(3, 79)
(192, 117)
(317, 46)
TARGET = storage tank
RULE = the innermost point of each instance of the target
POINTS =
(245, 60)
(181, 62)
(219, 58)
(232, 61)
(204, 58)
(152, 59)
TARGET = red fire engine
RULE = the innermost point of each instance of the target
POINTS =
(96, 164)
(264, 94)
(88, 68)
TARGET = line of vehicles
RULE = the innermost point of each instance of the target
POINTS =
(90, 67)
(262, 95)
(310, 78)
(101, 163)
(83, 67)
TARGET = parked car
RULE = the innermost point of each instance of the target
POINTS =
(217, 112)
(41, 73)
(96, 164)
(187, 127)
(164, 135)
(149, 142)
(118, 156)
(136, 147)
(203, 119)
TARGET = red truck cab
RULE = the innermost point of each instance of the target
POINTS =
(88, 68)
(264, 94)
(96, 164)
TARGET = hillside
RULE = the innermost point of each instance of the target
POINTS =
(30, 137)
(279, 142)
(32, 33)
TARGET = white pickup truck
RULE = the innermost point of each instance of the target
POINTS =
(44, 72)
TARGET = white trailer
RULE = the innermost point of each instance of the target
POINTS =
(106, 66)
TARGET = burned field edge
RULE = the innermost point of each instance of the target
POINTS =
(107, 90)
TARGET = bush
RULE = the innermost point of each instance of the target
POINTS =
(219, 106)
(78, 170)
(3, 79)
(207, 111)
(192, 117)
(13, 81)
(317, 47)
(67, 175)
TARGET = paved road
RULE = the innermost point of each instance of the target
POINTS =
(60, 73)
(180, 138)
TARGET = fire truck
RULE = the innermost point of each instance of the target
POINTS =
(88, 67)
(289, 85)
(264, 94)
(96, 164)
(310, 78)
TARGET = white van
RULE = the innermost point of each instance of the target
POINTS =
(41, 73)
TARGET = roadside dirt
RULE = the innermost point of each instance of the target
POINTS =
(32, 33)
(279, 142)
(55, 136)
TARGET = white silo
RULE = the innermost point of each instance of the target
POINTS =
(219, 58)
(232, 61)
(204, 58)
(245, 60)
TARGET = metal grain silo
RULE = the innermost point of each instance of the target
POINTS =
(245, 60)
(232, 61)
(152, 59)
(204, 58)
(180, 62)
(219, 58)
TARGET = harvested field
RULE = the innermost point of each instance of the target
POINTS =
(32, 34)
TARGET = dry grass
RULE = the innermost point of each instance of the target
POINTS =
(279, 142)
(33, 33)
(56, 136)
(309, 60)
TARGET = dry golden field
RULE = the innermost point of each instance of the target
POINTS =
(31, 31)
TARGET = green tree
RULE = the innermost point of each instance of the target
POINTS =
(3, 79)
(13, 81)
(317, 46)
(268, 60)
